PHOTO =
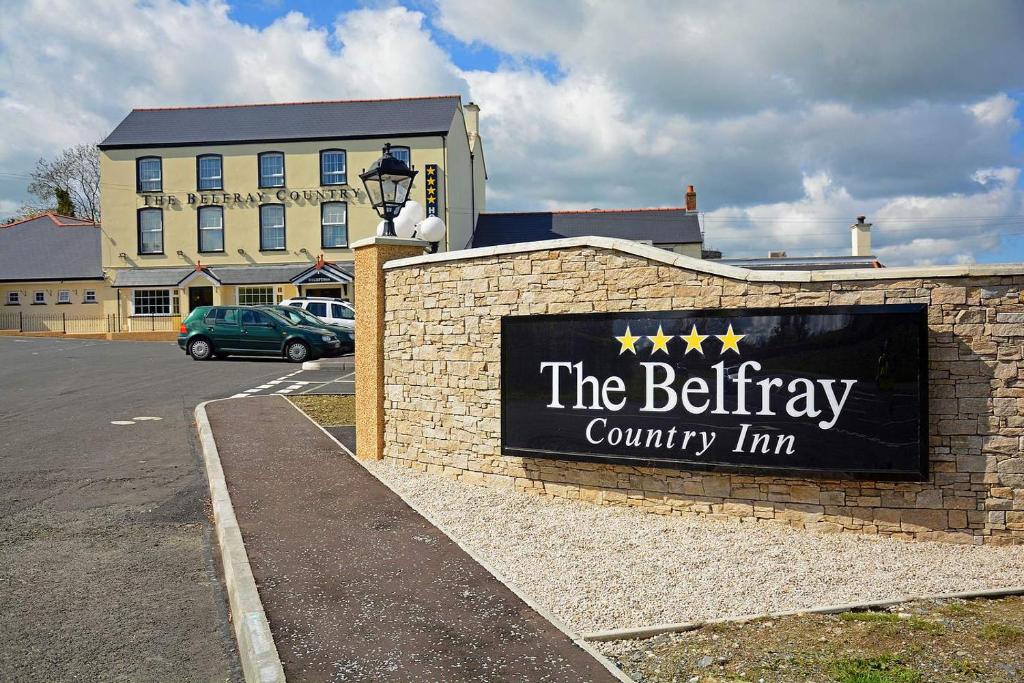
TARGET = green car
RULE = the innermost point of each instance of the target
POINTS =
(221, 331)
(299, 316)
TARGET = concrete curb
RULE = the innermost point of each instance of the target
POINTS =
(330, 364)
(642, 632)
(577, 640)
(256, 649)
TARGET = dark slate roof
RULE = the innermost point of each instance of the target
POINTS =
(173, 127)
(803, 262)
(227, 275)
(50, 247)
(659, 226)
(150, 277)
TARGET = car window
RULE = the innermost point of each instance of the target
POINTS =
(296, 304)
(337, 311)
(293, 316)
(255, 318)
(317, 308)
(223, 316)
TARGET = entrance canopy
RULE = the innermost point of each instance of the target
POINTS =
(296, 274)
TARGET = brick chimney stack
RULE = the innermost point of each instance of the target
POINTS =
(691, 199)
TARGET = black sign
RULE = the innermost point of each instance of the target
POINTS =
(834, 392)
(432, 189)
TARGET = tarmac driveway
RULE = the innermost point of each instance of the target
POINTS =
(106, 566)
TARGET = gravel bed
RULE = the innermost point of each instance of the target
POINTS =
(598, 567)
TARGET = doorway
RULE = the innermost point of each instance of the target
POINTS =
(199, 296)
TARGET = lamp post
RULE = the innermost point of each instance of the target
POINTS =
(387, 185)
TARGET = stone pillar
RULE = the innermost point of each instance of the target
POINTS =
(370, 255)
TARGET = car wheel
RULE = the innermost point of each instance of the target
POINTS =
(296, 352)
(200, 349)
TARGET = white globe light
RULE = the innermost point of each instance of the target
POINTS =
(431, 229)
(413, 211)
(380, 228)
(404, 225)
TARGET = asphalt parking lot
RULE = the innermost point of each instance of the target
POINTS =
(107, 571)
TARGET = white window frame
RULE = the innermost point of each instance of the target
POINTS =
(206, 211)
(13, 298)
(38, 297)
(249, 294)
(272, 176)
(159, 179)
(283, 226)
(150, 211)
(89, 297)
(323, 225)
(218, 179)
(172, 303)
(336, 177)
(403, 148)
(63, 296)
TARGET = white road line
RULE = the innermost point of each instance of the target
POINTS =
(239, 396)
(284, 391)
(146, 418)
(122, 422)
(251, 391)
(263, 386)
(274, 381)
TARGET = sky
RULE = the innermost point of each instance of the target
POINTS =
(790, 118)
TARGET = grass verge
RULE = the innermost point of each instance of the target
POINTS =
(328, 410)
(927, 641)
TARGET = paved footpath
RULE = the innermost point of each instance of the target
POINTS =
(356, 584)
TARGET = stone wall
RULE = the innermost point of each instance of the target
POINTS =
(442, 364)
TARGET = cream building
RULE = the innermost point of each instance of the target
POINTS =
(252, 204)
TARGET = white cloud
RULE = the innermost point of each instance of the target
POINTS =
(789, 119)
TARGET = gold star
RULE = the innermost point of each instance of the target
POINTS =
(628, 342)
(694, 341)
(730, 340)
(660, 341)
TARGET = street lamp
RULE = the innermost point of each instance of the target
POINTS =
(387, 185)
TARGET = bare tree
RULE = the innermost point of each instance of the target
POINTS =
(73, 175)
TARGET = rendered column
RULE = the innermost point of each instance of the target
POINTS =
(370, 301)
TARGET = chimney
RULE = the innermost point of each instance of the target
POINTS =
(860, 233)
(472, 114)
(691, 198)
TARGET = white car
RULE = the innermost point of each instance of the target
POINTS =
(334, 311)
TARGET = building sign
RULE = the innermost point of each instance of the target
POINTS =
(314, 197)
(430, 171)
(835, 392)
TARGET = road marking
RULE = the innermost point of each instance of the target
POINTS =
(144, 418)
(122, 422)
(240, 396)
(251, 391)
(284, 391)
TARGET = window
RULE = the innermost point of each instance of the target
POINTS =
(222, 316)
(333, 225)
(339, 312)
(40, 298)
(272, 227)
(90, 296)
(317, 308)
(256, 296)
(151, 231)
(148, 175)
(153, 302)
(256, 318)
(211, 228)
(13, 298)
(333, 167)
(64, 296)
(402, 153)
(271, 169)
(208, 172)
